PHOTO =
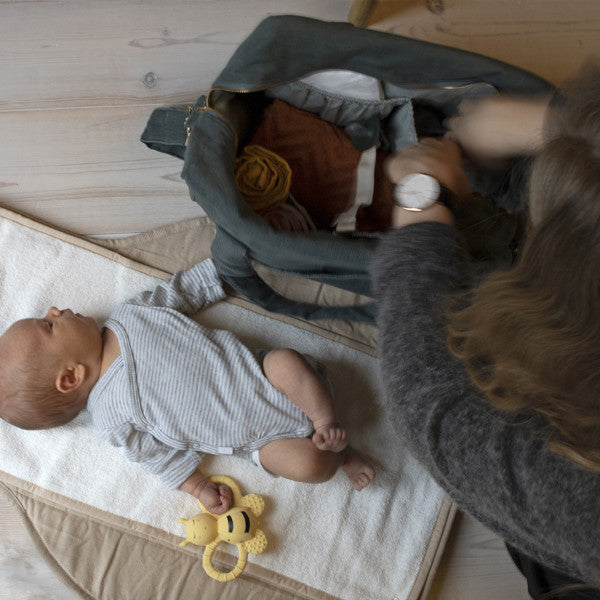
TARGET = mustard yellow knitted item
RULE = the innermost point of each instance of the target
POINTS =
(262, 177)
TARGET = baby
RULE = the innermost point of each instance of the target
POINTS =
(167, 390)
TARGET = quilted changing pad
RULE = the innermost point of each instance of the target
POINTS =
(110, 529)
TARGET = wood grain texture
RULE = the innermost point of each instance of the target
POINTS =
(79, 81)
(86, 171)
(23, 573)
(476, 566)
(548, 37)
(72, 53)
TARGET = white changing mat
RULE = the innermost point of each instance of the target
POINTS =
(348, 544)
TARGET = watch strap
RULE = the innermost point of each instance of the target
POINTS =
(447, 197)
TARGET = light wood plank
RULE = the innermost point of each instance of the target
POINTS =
(97, 53)
(548, 37)
(23, 572)
(86, 171)
(476, 565)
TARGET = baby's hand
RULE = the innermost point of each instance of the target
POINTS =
(215, 497)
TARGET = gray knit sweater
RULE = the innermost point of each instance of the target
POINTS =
(496, 467)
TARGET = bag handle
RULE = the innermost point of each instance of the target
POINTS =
(242, 277)
(257, 290)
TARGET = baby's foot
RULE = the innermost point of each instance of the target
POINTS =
(330, 437)
(357, 469)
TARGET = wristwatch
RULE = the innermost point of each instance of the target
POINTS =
(418, 191)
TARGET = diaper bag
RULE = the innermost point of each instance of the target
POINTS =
(418, 82)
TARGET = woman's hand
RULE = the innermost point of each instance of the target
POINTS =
(440, 158)
(215, 497)
(495, 128)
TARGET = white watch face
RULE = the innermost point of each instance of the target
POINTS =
(417, 191)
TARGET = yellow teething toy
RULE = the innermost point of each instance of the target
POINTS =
(238, 526)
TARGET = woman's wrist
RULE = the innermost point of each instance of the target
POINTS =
(437, 213)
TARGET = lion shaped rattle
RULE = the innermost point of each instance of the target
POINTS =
(238, 526)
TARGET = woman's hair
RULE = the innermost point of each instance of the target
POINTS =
(529, 336)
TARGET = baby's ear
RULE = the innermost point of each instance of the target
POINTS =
(70, 378)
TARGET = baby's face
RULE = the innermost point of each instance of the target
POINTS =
(62, 334)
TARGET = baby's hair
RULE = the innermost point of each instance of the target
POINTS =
(30, 400)
(530, 335)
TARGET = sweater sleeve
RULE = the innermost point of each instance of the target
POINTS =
(495, 466)
(415, 270)
(187, 291)
(171, 465)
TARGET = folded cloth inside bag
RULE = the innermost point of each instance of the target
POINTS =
(321, 156)
(263, 177)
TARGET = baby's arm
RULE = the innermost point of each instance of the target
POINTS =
(215, 497)
(187, 291)
(172, 466)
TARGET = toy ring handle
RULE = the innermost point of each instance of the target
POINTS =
(221, 575)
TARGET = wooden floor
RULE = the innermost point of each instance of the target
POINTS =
(79, 80)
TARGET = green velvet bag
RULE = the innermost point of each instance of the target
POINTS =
(267, 65)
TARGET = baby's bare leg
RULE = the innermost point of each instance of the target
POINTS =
(300, 460)
(293, 376)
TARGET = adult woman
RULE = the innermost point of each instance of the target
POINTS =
(499, 396)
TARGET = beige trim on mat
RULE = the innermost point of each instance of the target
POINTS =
(102, 556)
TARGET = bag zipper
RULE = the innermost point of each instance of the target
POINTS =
(200, 109)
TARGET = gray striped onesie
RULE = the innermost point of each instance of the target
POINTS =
(179, 389)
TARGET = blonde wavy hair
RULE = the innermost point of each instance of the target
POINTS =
(529, 336)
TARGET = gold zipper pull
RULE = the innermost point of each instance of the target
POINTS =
(188, 128)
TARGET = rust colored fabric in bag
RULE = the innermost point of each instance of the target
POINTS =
(377, 216)
(322, 158)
